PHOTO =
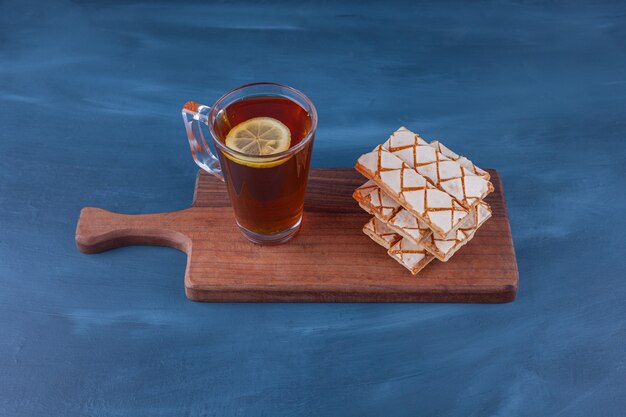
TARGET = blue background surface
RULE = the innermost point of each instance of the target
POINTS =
(90, 98)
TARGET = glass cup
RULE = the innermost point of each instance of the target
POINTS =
(266, 191)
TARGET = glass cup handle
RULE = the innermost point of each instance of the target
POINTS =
(194, 115)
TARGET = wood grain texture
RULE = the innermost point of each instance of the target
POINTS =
(330, 260)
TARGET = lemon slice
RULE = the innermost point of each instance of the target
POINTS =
(259, 136)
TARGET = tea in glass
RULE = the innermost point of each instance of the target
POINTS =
(263, 136)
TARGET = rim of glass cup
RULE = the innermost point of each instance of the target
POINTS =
(313, 112)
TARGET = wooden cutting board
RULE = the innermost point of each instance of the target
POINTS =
(330, 260)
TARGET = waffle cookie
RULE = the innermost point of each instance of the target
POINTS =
(443, 249)
(396, 218)
(413, 257)
(380, 233)
(437, 209)
(426, 200)
(409, 227)
(375, 201)
(463, 161)
(448, 175)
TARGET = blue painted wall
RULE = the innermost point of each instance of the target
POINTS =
(90, 94)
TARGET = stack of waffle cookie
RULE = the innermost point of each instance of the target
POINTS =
(426, 200)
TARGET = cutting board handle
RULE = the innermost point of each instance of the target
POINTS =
(99, 230)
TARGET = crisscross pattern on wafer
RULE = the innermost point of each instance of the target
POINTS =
(376, 201)
(411, 256)
(387, 210)
(427, 200)
(440, 211)
(463, 161)
(381, 233)
(448, 175)
(381, 229)
(409, 226)
(364, 190)
(443, 249)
